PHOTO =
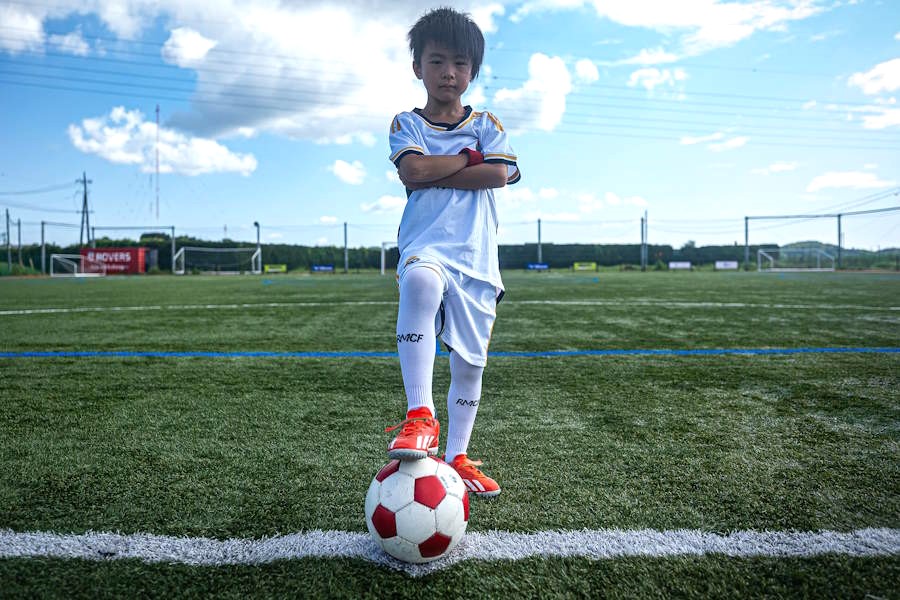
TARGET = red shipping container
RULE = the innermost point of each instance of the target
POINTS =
(118, 261)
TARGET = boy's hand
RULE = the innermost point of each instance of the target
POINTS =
(474, 156)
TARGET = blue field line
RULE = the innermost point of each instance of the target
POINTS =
(516, 354)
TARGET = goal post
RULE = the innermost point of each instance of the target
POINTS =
(75, 265)
(218, 261)
(784, 260)
(385, 246)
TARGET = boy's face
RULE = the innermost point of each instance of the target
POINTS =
(445, 73)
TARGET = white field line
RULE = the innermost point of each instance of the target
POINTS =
(655, 303)
(487, 546)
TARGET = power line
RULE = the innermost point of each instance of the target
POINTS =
(50, 188)
(596, 130)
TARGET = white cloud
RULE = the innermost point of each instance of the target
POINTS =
(353, 173)
(586, 71)
(731, 144)
(887, 117)
(538, 6)
(513, 197)
(274, 236)
(848, 179)
(483, 15)
(777, 167)
(690, 141)
(870, 166)
(613, 199)
(883, 77)
(29, 31)
(186, 47)
(541, 101)
(70, 43)
(825, 35)
(897, 36)
(649, 56)
(328, 220)
(809, 105)
(385, 204)
(124, 137)
(588, 202)
(548, 193)
(881, 114)
(274, 67)
(651, 77)
(703, 25)
(392, 176)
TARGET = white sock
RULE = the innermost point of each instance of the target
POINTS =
(421, 290)
(462, 404)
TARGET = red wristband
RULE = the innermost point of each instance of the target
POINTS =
(474, 156)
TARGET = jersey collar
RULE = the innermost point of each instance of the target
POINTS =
(467, 111)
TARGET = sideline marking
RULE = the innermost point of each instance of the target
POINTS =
(657, 303)
(493, 545)
(510, 354)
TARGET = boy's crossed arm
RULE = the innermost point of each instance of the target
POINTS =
(420, 171)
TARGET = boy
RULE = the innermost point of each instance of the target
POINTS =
(450, 158)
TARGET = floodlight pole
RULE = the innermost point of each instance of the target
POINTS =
(839, 241)
(173, 249)
(258, 250)
(346, 253)
(43, 250)
(539, 242)
(643, 267)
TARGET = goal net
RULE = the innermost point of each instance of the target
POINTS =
(780, 260)
(219, 261)
(75, 265)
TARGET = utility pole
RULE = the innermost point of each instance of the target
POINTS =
(8, 244)
(85, 219)
(346, 252)
(19, 226)
(644, 242)
(539, 242)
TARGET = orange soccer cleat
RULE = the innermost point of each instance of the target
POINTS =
(476, 481)
(418, 436)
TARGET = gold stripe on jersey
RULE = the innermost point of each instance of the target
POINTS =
(500, 155)
(406, 149)
(395, 124)
(495, 121)
(467, 121)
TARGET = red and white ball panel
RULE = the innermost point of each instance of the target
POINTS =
(417, 510)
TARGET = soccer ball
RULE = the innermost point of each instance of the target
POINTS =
(417, 510)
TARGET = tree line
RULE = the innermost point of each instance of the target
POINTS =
(512, 256)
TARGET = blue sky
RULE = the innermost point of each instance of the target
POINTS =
(699, 112)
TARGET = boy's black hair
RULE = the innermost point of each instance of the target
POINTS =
(452, 29)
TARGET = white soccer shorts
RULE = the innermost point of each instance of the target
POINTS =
(468, 310)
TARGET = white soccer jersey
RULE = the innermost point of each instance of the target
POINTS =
(456, 227)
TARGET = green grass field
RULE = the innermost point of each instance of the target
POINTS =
(248, 447)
